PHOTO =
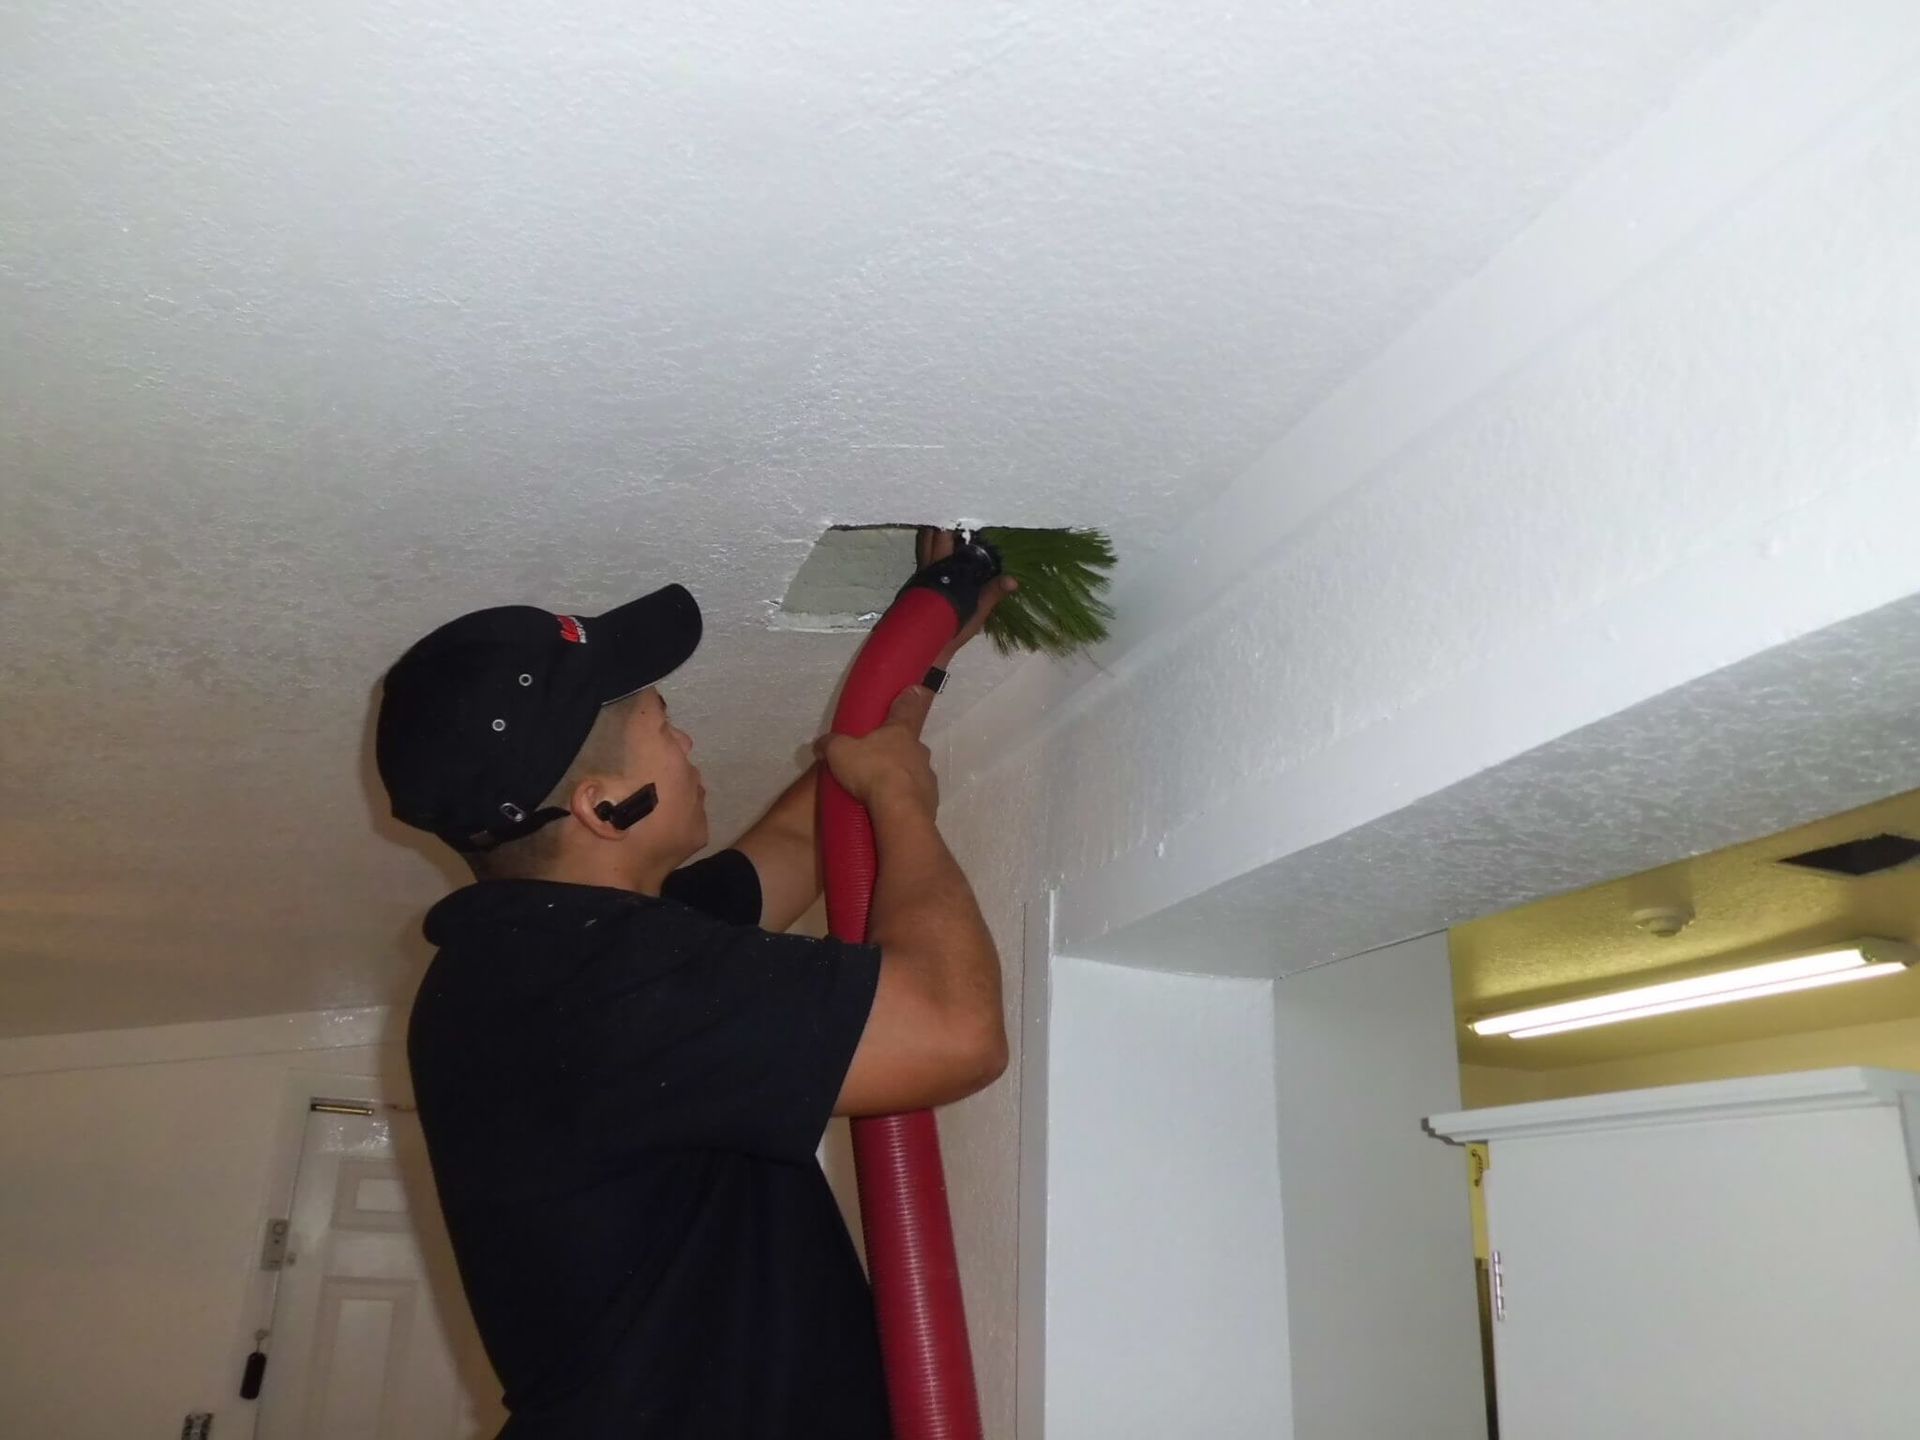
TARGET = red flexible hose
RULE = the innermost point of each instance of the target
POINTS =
(903, 1188)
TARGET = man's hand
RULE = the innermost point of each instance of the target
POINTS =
(891, 758)
(933, 544)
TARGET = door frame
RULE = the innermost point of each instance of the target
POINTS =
(299, 1089)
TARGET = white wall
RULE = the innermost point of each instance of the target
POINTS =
(1674, 427)
(134, 1176)
(1382, 1309)
(1164, 1275)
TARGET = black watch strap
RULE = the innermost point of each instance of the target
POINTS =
(935, 679)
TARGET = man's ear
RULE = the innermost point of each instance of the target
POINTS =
(584, 805)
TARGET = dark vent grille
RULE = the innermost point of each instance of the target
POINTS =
(1859, 857)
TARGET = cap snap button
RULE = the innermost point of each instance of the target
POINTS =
(499, 725)
(526, 679)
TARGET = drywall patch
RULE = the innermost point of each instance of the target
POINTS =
(848, 579)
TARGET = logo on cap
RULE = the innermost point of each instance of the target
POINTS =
(572, 630)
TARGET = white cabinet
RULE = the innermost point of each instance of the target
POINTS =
(1734, 1259)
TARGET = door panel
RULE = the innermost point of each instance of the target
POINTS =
(359, 1349)
(360, 1358)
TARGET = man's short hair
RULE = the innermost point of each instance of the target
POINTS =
(603, 752)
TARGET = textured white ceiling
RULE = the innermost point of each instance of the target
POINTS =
(320, 324)
(1758, 751)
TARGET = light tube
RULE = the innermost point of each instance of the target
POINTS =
(1778, 987)
(1864, 960)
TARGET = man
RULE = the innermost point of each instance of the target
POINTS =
(623, 1069)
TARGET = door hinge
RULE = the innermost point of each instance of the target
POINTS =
(1498, 1275)
(273, 1249)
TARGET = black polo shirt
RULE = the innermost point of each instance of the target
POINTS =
(622, 1096)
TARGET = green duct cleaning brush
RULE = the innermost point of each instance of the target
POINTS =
(1057, 610)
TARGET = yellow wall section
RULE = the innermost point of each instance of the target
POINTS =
(1891, 1045)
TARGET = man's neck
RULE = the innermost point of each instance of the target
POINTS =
(614, 870)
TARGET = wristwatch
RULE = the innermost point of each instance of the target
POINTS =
(935, 679)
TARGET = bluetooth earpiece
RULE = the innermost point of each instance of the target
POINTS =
(630, 811)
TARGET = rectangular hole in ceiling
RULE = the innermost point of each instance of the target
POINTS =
(1868, 856)
(848, 579)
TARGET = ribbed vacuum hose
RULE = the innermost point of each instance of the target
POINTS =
(903, 1187)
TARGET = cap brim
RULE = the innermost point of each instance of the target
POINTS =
(643, 641)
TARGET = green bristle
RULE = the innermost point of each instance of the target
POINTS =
(1057, 609)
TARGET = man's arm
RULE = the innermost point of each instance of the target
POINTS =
(782, 847)
(935, 1033)
(782, 843)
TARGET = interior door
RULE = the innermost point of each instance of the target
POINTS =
(360, 1349)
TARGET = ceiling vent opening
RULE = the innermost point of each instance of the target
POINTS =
(1855, 858)
(848, 579)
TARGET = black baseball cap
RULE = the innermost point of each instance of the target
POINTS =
(480, 720)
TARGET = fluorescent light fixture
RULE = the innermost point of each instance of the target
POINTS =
(1862, 960)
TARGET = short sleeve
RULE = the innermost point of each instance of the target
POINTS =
(724, 885)
(738, 1040)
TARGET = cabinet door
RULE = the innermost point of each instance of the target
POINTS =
(1748, 1277)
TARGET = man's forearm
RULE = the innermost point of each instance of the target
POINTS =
(795, 808)
(794, 816)
(923, 907)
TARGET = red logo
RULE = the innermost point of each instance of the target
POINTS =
(572, 630)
